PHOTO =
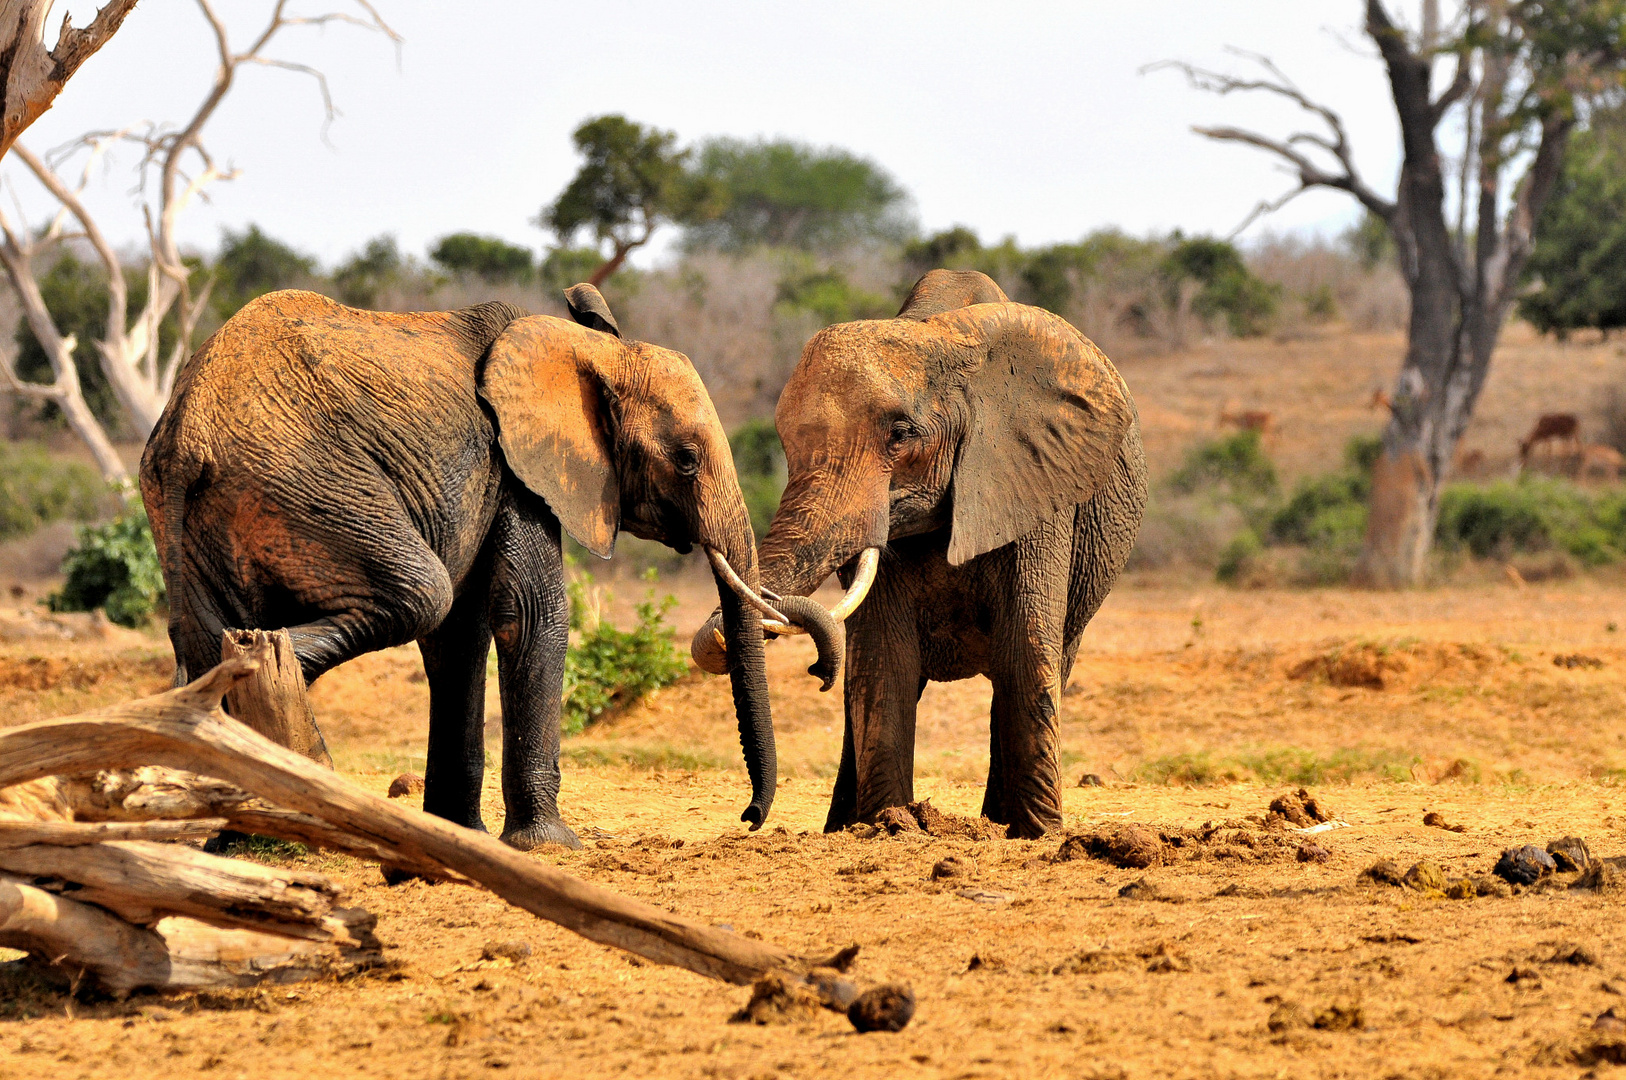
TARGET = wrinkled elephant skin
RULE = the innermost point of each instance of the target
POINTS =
(367, 479)
(993, 455)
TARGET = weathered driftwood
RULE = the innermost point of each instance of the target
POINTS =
(17, 834)
(142, 882)
(83, 940)
(272, 700)
(185, 729)
(148, 792)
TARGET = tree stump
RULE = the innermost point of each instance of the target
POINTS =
(272, 701)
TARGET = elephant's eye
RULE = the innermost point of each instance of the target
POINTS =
(686, 460)
(902, 431)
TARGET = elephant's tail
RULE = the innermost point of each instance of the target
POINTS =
(169, 476)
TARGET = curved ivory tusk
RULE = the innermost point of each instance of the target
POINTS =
(744, 591)
(862, 580)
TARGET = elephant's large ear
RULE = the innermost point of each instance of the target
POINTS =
(587, 306)
(543, 378)
(944, 290)
(1048, 413)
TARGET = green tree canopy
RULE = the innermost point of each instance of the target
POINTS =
(363, 276)
(252, 264)
(788, 194)
(632, 180)
(1229, 289)
(1578, 268)
(486, 257)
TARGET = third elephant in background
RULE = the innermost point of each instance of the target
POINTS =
(982, 460)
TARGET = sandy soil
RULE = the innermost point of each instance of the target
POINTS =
(1194, 705)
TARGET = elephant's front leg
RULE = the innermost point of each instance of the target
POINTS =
(882, 688)
(1024, 777)
(530, 619)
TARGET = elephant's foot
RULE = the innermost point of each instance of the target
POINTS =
(539, 832)
(1030, 823)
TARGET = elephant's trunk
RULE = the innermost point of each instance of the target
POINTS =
(748, 675)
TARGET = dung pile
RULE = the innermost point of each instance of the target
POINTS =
(923, 817)
(1517, 869)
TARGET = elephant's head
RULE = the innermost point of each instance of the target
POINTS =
(966, 413)
(617, 434)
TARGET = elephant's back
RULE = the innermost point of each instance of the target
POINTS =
(298, 394)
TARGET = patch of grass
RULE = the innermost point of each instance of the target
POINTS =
(1277, 765)
(267, 849)
(656, 756)
(36, 489)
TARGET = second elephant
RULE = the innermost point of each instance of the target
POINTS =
(991, 456)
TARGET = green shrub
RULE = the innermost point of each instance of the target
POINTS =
(1532, 514)
(36, 490)
(1236, 463)
(607, 668)
(115, 567)
(1238, 557)
(1229, 289)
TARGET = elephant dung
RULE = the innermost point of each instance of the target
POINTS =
(777, 999)
(1130, 846)
(1299, 808)
(883, 1008)
(406, 784)
(1570, 853)
(954, 866)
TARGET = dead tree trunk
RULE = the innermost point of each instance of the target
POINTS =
(273, 701)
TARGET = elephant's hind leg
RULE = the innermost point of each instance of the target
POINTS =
(454, 660)
(530, 618)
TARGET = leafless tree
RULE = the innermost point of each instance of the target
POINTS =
(175, 168)
(1521, 74)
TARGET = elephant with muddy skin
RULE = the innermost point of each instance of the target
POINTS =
(368, 479)
(972, 470)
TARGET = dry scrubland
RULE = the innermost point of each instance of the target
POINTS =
(1193, 703)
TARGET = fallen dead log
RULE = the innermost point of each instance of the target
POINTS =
(148, 792)
(83, 940)
(185, 729)
(17, 834)
(142, 882)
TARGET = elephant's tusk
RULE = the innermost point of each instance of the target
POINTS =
(744, 591)
(868, 562)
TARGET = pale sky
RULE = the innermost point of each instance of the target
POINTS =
(1018, 118)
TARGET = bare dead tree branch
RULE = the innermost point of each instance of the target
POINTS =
(175, 169)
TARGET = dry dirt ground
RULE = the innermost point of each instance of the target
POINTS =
(1193, 706)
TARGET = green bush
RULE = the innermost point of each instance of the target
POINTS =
(607, 668)
(36, 490)
(1533, 514)
(115, 567)
(1229, 289)
(1238, 557)
(1236, 463)
(760, 462)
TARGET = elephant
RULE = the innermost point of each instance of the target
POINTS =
(972, 469)
(367, 479)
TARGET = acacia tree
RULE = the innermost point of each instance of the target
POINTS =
(175, 168)
(1521, 72)
(632, 180)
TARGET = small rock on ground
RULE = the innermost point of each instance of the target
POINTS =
(883, 1008)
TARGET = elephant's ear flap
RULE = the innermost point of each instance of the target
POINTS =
(1048, 414)
(543, 380)
(588, 307)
